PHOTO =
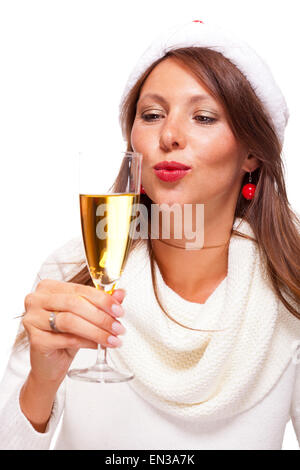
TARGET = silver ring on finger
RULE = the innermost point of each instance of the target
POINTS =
(52, 319)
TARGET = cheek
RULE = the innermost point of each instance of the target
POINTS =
(137, 138)
(218, 148)
(143, 139)
(133, 139)
(219, 158)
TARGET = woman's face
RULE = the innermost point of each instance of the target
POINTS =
(183, 123)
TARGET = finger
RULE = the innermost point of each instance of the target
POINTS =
(80, 306)
(119, 295)
(67, 322)
(39, 316)
(74, 303)
(97, 296)
(47, 342)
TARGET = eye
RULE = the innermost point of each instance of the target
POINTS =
(150, 117)
(204, 119)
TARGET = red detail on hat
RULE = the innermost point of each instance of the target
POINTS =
(197, 21)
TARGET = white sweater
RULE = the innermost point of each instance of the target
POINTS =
(114, 416)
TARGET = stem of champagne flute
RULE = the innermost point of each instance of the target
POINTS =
(101, 355)
(101, 351)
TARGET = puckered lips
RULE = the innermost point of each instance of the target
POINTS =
(171, 171)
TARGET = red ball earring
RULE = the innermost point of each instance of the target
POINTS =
(142, 191)
(248, 190)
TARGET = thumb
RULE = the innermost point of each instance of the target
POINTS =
(119, 295)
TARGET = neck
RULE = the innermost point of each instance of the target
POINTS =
(195, 273)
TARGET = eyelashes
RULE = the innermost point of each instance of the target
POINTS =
(148, 118)
(151, 117)
(209, 119)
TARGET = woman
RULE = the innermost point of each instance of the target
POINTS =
(211, 333)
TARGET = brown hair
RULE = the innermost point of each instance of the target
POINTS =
(275, 225)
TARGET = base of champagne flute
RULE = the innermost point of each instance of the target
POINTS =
(100, 373)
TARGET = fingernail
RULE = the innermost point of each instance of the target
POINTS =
(114, 341)
(118, 328)
(117, 310)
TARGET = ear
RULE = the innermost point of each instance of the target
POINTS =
(251, 163)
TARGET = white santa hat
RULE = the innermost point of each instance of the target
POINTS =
(199, 34)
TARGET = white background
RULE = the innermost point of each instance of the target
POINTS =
(63, 68)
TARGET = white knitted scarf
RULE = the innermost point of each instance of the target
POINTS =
(198, 375)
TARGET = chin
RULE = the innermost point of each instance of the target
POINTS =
(176, 195)
(168, 199)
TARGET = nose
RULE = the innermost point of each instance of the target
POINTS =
(172, 135)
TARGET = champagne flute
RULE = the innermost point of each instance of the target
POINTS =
(107, 225)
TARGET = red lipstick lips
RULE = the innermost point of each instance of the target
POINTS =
(171, 171)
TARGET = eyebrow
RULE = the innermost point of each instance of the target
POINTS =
(193, 99)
